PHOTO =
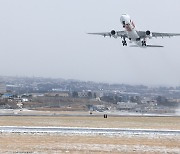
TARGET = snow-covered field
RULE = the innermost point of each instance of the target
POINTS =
(16, 139)
(68, 134)
(89, 131)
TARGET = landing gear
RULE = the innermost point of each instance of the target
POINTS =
(124, 42)
(143, 43)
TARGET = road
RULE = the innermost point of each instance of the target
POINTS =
(79, 130)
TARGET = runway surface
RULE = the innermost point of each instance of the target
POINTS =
(26, 112)
(78, 130)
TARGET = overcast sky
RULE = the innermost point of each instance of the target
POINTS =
(47, 38)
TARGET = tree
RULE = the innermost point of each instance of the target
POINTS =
(75, 94)
(90, 94)
(95, 95)
(161, 100)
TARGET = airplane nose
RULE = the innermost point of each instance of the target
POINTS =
(122, 19)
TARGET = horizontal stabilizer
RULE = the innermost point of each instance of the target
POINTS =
(155, 46)
(160, 46)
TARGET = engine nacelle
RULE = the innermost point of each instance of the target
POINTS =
(148, 34)
(114, 33)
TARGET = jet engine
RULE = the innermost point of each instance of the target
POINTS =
(148, 34)
(114, 33)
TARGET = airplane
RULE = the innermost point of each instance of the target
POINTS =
(130, 32)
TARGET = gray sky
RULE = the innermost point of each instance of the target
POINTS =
(48, 38)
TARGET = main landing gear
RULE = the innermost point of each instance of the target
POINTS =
(124, 42)
(143, 43)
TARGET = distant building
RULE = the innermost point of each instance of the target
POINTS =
(24, 99)
(92, 94)
(174, 100)
(83, 94)
(126, 105)
(98, 94)
(57, 94)
(2, 87)
(7, 95)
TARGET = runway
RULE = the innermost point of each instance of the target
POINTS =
(79, 130)
(27, 112)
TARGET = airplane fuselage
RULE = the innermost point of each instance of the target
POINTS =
(130, 29)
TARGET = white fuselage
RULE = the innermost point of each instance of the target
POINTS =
(130, 29)
(133, 35)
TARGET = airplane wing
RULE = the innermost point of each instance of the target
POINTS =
(112, 33)
(142, 34)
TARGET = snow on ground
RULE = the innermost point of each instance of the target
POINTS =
(89, 131)
(116, 148)
(84, 140)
